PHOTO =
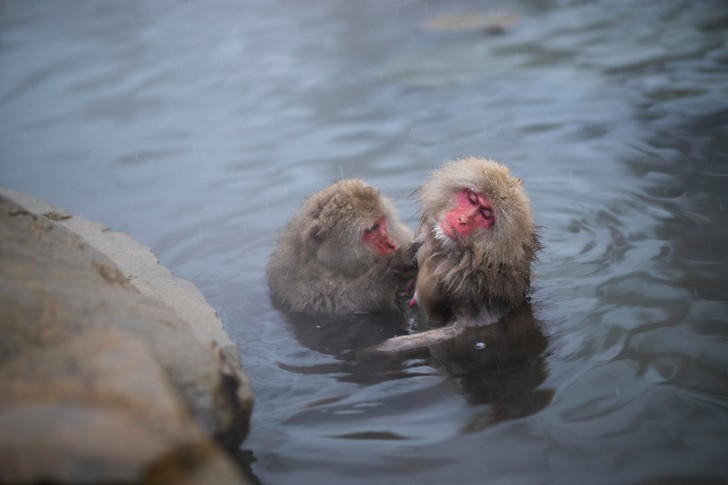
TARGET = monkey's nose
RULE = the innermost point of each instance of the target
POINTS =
(390, 242)
(466, 217)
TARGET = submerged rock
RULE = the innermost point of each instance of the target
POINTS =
(494, 22)
(112, 370)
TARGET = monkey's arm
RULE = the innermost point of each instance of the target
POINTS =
(423, 339)
(438, 335)
(378, 289)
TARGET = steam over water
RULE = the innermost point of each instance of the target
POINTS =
(200, 127)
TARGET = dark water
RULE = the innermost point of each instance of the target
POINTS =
(199, 128)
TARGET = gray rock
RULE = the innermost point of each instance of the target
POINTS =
(113, 368)
(490, 22)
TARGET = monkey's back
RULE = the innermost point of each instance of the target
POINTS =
(293, 275)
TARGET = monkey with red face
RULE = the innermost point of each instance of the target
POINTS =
(345, 250)
(477, 243)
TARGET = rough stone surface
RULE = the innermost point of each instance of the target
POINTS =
(97, 406)
(143, 271)
(112, 370)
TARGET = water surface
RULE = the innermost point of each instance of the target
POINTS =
(199, 128)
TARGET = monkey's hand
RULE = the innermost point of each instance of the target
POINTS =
(403, 261)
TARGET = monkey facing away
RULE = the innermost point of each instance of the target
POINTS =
(477, 243)
(345, 250)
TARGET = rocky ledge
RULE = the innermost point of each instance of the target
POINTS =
(111, 369)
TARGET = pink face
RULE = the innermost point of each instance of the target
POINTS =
(378, 237)
(473, 211)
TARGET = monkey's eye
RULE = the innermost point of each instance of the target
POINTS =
(487, 213)
(371, 229)
(472, 197)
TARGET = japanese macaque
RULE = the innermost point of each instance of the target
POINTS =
(345, 250)
(477, 242)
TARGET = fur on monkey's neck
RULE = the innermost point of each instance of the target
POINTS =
(474, 282)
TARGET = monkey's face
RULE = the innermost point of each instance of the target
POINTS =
(355, 245)
(471, 212)
(476, 203)
(377, 237)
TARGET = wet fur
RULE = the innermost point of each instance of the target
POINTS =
(490, 273)
(321, 265)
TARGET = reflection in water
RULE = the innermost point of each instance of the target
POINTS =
(501, 365)
(345, 336)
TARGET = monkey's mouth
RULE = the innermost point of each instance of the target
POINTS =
(384, 248)
(449, 231)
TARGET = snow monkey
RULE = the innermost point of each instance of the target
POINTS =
(477, 242)
(345, 250)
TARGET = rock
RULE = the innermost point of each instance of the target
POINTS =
(144, 272)
(97, 407)
(74, 295)
(493, 22)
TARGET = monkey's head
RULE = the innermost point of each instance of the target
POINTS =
(476, 203)
(348, 224)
